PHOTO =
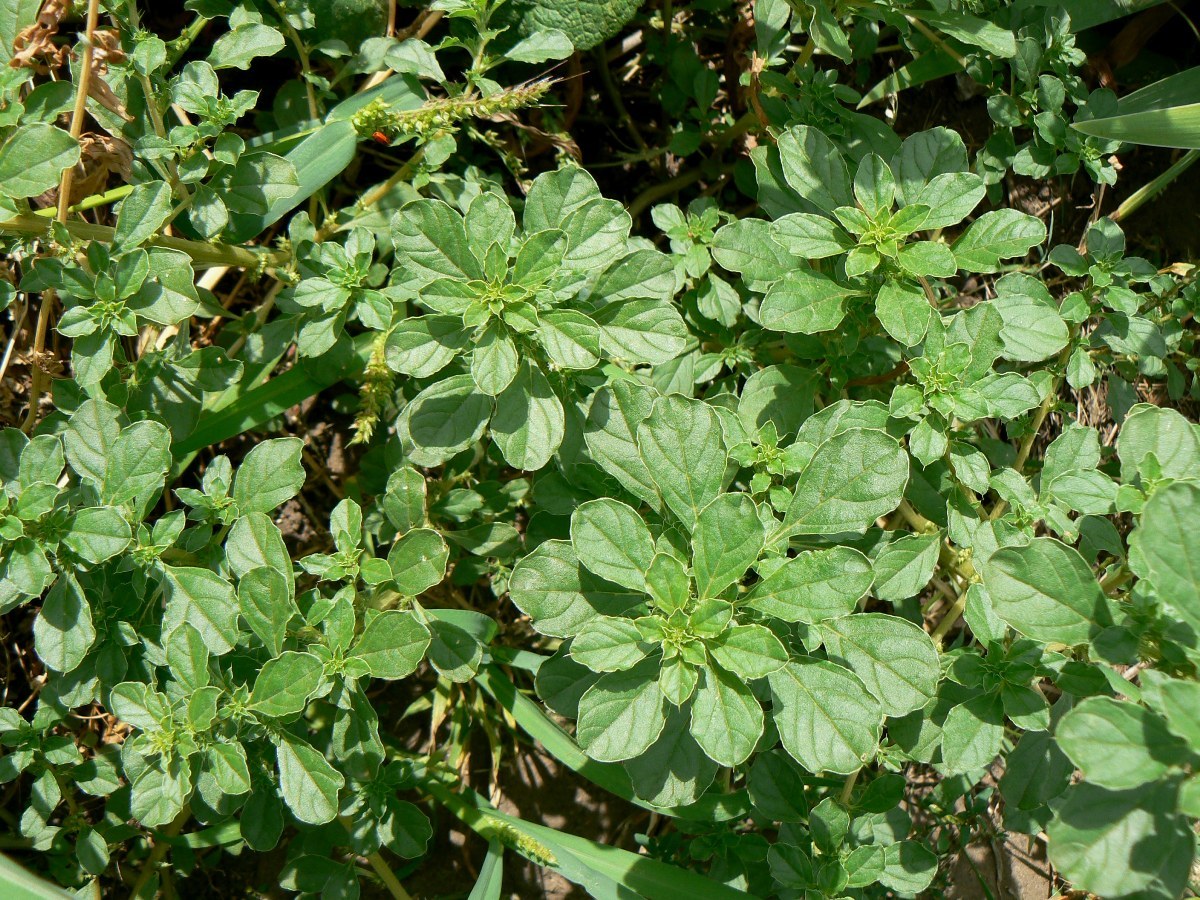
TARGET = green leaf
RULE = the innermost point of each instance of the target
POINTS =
(316, 160)
(929, 259)
(727, 720)
(1046, 591)
(972, 735)
(905, 566)
(995, 236)
(611, 539)
(667, 583)
(529, 423)
(89, 438)
(206, 601)
(827, 719)
(810, 236)
(552, 588)
(446, 417)
(418, 561)
(951, 197)
(265, 602)
(814, 585)
(597, 234)
(1033, 330)
(783, 395)
(803, 302)
(748, 246)
(33, 159)
(641, 331)
(429, 236)
(726, 541)
(895, 659)
(1174, 441)
(681, 446)
(851, 480)
(285, 683)
(908, 867)
(425, 345)
(97, 534)
(814, 168)
(137, 462)
(1118, 745)
(392, 645)
(644, 274)
(904, 311)
(930, 66)
(255, 542)
(494, 360)
(622, 714)
(1166, 543)
(541, 46)
(553, 196)
(309, 784)
(15, 17)
(609, 645)
(269, 475)
(776, 787)
(258, 183)
(1163, 114)
(1123, 843)
(237, 48)
(570, 339)
(455, 652)
(748, 651)
(674, 771)
(611, 435)
(226, 764)
(160, 790)
(491, 874)
(1036, 771)
(63, 631)
(531, 718)
(143, 213)
(981, 33)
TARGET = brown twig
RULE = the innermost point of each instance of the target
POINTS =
(38, 383)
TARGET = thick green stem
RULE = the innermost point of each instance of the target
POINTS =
(203, 254)
(953, 614)
(382, 869)
(848, 787)
(159, 851)
(1152, 189)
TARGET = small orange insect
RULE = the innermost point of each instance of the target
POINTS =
(380, 138)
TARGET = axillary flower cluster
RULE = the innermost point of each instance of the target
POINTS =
(379, 117)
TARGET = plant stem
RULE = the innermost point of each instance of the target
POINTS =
(848, 787)
(953, 614)
(92, 202)
(260, 317)
(1153, 188)
(314, 109)
(614, 97)
(159, 851)
(80, 110)
(1035, 429)
(204, 254)
(937, 41)
(666, 188)
(37, 384)
(156, 119)
(382, 869)
(374, 195)
(1115, 579)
